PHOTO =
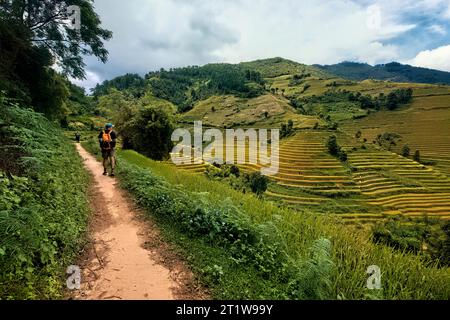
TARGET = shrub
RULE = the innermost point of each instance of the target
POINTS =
(342, 156)
(431, 238)
(387, 140)
(332, 146)
(406, 151)
(235, 170)
(149, 131)
(335, 149)
(257, 182)
(287, 129)
(313, 278)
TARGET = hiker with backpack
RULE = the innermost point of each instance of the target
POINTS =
(77, 137)
(107, 139)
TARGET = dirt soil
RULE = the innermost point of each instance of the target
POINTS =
(126, 259)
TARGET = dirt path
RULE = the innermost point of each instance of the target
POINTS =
(126, 258)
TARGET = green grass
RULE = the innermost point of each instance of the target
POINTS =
(405, 276)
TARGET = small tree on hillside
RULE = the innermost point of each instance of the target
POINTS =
(290, 125)
(332, 145)
(342, 155)
(284, 130)
(257, 182)
(406, 151)
(417, 156)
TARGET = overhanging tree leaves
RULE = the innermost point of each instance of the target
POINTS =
(47, 24)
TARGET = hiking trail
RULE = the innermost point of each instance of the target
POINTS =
(126, 258)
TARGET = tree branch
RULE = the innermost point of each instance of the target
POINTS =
(54, 18)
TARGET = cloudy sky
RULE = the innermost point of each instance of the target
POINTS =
(154, 34)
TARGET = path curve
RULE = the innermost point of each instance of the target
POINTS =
(119, 267)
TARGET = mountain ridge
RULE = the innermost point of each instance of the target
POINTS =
(393, 71)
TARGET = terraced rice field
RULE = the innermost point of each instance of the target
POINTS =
(396, 183)
(374, 183)
(424, 126)
(308, 174)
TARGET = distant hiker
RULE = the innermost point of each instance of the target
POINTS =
(77, 137)
(107, 139)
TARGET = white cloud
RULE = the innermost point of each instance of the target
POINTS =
(91, 80)
(438, 58)
(150, 34)
(447, 12)
(437, 29)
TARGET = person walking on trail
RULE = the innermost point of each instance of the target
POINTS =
(107, 139)
(77, 137)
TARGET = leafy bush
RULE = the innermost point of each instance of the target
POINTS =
(148, 131)
(314, 275)
(287, 129)
(417, 156)
(387, 140)
(335, 149)
(431, 238)
(254, 182)
(257, 182)
(43, 208)
(406, 151)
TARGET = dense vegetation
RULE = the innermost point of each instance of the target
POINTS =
(33, 38)
(246, 182)
(335, 149)
(391, 101)
(430, 238)
(131, 82)
(43, 186)
(43, 204)
(393, 71)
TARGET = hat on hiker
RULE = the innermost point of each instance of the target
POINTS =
(109, 125)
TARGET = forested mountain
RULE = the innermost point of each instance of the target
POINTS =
(393, 71)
